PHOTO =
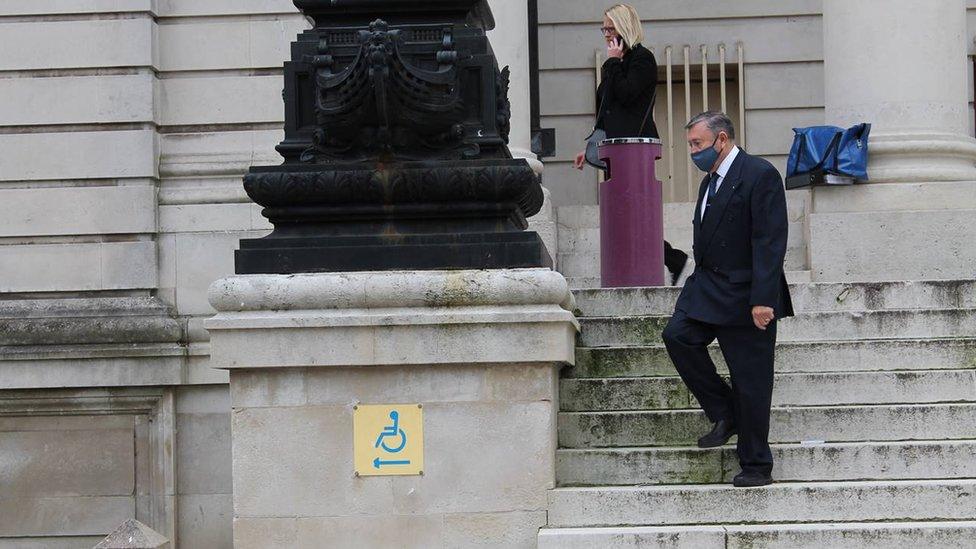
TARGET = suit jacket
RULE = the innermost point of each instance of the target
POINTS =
(628, 85)
(739, 247)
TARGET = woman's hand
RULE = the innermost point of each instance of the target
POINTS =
(580, 160)
(616, 48)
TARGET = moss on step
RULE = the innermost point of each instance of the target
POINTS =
(647, 330)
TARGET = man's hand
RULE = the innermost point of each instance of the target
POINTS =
(762, 316)
(616, 48)
(580, 160)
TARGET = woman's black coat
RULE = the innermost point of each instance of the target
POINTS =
(629, 85)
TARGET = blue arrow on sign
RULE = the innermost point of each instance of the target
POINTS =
(377, 463)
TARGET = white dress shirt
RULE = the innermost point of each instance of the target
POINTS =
(723, 169)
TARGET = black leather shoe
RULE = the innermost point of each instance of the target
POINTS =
(721, 432)
(747, 479)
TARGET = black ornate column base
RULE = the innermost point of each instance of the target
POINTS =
(397, 121)
(394, 216)
(395, 252)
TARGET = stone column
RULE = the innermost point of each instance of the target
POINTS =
(479, 350)
(900, 65)
(510, 41)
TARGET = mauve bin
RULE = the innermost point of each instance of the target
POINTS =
(631, 214)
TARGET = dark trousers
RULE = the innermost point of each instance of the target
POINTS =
(748, 351)
(674, 259)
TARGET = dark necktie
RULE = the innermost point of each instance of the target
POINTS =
(712, 189)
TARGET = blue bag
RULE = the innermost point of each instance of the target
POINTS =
(830, 150)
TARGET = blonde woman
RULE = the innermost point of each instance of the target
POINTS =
(625, 98)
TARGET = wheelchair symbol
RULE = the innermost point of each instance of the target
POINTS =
(392, 431)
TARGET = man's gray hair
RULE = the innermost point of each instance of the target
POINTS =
(715, 121)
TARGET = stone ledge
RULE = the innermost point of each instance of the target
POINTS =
(404, 317)
(87, 321)
(95, 342)
(877, 197)
(531, 340)
(394, 289)
(399, 316)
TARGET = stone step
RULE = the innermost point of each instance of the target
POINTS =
(819, 297)
(590, 282)
(793, 462)
(656, 393)
(579, 282)
(801, 502)
(791, 357)
(832, 326)
(794, 424)
(850, 535)
(625, 393)
(585, 262)
(798, 277)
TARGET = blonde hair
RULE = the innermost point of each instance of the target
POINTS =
(627, 23)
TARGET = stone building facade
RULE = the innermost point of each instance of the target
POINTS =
(125, 127)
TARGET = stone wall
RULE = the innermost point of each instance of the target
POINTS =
(783, 73)
(76, 463)
(125, 126)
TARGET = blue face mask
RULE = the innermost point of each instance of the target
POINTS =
(706, 158)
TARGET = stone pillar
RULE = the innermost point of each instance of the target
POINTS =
(479, 350)
(900, 65)
(510, 41)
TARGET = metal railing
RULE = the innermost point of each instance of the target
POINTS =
(683, 186)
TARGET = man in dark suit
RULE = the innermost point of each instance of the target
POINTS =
(736, 293)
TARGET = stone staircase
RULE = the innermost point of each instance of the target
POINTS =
(873, 428)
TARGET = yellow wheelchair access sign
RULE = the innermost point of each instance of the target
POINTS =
(388, 439)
